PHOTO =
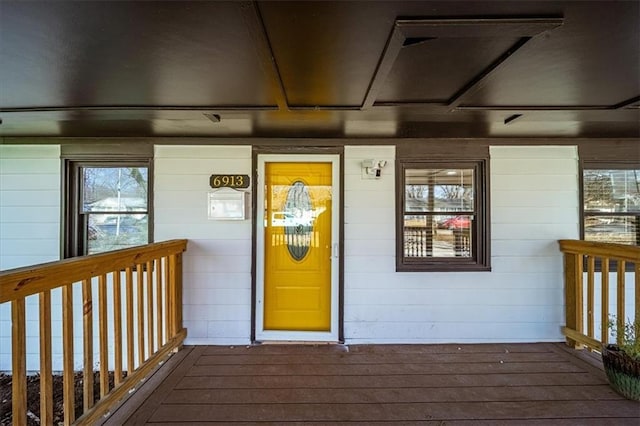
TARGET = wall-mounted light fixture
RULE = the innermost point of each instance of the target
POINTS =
(372, 169)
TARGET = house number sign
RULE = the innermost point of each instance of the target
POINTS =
(229, 181)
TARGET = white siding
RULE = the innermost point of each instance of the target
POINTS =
(534, 202)
(29, 227)
(29, 205)
(217, 264)
(30, 234)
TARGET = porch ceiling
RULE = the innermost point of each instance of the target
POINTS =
(320, 69)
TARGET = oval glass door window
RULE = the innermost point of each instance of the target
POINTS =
(298, 214)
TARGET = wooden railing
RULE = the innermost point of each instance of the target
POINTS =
(580, 259)
(143, 334)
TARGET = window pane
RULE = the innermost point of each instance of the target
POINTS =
(437, 236)
(612, 229)
(118, 189)
(116, 231)
(439, 190)
(612, 191)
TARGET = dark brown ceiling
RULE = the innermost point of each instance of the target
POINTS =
(320, 69)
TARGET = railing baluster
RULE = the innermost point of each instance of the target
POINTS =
(159, 313)
(150, 305)
(68, 384)
(140, 315)
(104, 335)
(117, 328)
(579, 294)
(591, 267)
(620, 319)
(46, 370)
(171, 295)
(637, 301)
(19, 362)
(129, 296)
(87, 326)
(604, 276)
(167, 308)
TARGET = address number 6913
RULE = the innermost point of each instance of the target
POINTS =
(229, 181)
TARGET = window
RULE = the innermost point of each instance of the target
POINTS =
(611, 203)
(442, 223)
(108, 206)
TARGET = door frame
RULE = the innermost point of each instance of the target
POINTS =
(336, 329)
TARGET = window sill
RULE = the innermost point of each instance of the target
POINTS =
(442, 267)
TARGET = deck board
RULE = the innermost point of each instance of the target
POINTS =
(382, 369)
(408, 381)
(409, 412)
(363, 358)
(392, 395)
(613, 421)
(531, 384)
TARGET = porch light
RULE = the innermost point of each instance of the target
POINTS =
(372, 169)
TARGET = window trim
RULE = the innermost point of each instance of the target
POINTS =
(74, 241)
(481, 241)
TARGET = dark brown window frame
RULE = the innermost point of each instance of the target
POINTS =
(480, 256)
(74, 229)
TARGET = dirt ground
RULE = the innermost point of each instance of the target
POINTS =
(33, 397)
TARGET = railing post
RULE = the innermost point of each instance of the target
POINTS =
(175, 262)
(19, 362)
(179, 292)
(573, 294)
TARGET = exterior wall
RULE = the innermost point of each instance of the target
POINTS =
(534, 202)
(29, 230)
(29, 205)
(217, 264)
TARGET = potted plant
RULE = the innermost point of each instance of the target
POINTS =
(622, 362)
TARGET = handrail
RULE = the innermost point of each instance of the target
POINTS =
(580, 283)
(150, 275)
(597, 249)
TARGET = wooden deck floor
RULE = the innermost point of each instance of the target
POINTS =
(533, 384)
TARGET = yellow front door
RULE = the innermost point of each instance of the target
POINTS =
(297, 246)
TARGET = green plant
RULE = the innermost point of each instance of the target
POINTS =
(628, 336)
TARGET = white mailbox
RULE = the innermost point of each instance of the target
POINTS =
(227, 204)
